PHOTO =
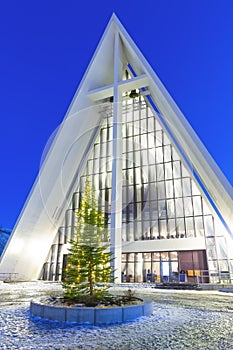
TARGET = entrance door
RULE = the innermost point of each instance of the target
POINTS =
(194, 263)
(165, 271)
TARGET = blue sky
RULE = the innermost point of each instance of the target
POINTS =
(45, 47)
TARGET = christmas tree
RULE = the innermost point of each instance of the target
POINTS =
(89, 260)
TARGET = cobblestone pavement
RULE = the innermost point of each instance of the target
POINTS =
(181, 320)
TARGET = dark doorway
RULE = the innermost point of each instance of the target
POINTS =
(64, 263)
(194, 263)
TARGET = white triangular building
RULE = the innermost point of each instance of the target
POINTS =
(167, 204)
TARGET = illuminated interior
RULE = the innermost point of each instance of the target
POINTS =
(161, 203)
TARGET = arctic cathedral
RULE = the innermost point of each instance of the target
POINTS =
(167, 205)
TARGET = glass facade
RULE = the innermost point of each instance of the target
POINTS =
(160, 200)
(150, 267)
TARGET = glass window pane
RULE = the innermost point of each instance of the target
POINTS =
(136, 115)
(176, 170)
(153, 192)
(76, 200)
(143, 126)
(137, 230)
(151, 156)
(97, 151)
(151, 140)
(145, 194)
(130, 194)
(137, 175)
(146, 212)
(167, 153)
(199, 227)
(96, 181)
(136, 127)
(168, 170)
(68, 217)
(178, 188)
(166, 140)
(129, 115)
(195, 190)
(109, 164)
(188, 207)
(146, 256)
(222, 249)
(144, 141)
(155, 229)
(174, 268)
(173, 256)
(180, 227)
(129, 145)
(152, 173)
(129, 129)
(186, 187)
(103, 164)
(189, 227)
(159, 138)
(159, 154)
(89, 166)
(175, 155)
(154, 209)
(138, 194)
(179, 207)
(206, 209)
(137, 158)
(172, 228)
(208, 222)
(160, 172)
(156, 256)
(163, 228)
(151, 126)
(96, 164)
(130, 231)
(161, 190)
(109, 148)
(169, 189)
(162, 209)
(170, 208)
(103, 150)
(103, 134)
(136, 145)
(197, 205)
(185, 172)
(144, 157)
(164, 256)
(145, 174)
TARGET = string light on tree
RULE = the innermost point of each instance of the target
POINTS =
(88, 268)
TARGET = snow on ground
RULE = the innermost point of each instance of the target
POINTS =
(181, 320)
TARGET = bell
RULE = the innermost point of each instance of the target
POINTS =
(133, 94)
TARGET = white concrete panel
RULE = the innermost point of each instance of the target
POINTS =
(164, 245)
(35, 230)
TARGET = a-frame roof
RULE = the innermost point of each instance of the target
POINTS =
(102, 66)
(45, 208)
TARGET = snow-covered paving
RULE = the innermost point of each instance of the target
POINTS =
(181, 320)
